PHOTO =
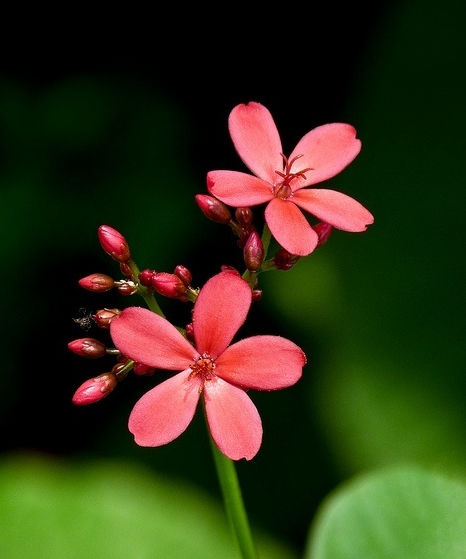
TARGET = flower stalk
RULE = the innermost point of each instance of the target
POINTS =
(233, 502)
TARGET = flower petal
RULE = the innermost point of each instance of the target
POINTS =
(290, 227)
(148, 338)
(220, 309)
(238, 189)
(327, 150)
(234, 422)
(262, 362)
(163, 413)
(256, 139)
(335, 208)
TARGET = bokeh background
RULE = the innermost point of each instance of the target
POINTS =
(124, 135)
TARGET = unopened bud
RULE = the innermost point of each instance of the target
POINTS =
(253, 252)
(145, 277)
(228, 268)
(244, 216)
(88, 347)
(212, 208)
(127, 287)
(323, 231)
(95, 389)
(98, 283)
(144, 370)
(184, 274)
(114, 243)
(190, 332)
(284, 260)
(104, 317)
(256, 294)
(126, 269)
(168, 285)
(244, 235)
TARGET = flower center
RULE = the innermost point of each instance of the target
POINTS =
(282, 189)
(203, 366)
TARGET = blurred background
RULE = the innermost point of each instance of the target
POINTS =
(104, 129)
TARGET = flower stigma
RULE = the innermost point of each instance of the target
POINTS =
(203, 366)
(282, 189)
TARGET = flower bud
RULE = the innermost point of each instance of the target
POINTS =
(103, 317)
(323, 231)
(141, 369)
(95, 389)
(244, 235)
(126, 269)
(145, 277)
(253, 252)
(244, 216)
(228, 268)
(184, 274)
(213, 208)
(284, 260)
(168, 285)
(256, 294)
(126, 287)
(88, 347)
(114, 243)
(190, 332)
(98, 283)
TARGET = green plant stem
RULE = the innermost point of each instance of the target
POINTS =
(234, 504)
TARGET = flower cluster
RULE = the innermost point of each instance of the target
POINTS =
(208, 366)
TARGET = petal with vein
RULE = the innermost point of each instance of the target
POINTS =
(234, 422)
(163, 413)
(290, 227)
(220, 309)
(327, 150)
(335, 208)
(148, 338)
(256, 139)
(238, 189)
(262, 362)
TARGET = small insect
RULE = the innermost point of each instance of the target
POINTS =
(85, 320)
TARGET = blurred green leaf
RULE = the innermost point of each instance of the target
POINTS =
(406, 513)
(108, 509)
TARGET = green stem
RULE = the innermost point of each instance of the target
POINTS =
(234, 504)
(148, 297)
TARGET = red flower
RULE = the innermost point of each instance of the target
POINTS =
(213, 369)
(280, 182)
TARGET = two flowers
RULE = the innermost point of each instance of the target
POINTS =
(213, 368)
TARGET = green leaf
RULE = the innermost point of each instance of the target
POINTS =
(107, 509)
(401, 513)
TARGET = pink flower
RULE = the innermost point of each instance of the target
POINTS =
(280, 182)
(213, 369)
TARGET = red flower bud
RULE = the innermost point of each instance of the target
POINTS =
(323, 231)
(256, 294)
(190, 332)
(141, 369)
(103, 317)
(126, 269)
(114, 243)
(88, 347)
(127, 287)
(97, 283)
(184, 274)
(284, 260)
(145, 277)
(244, 216)
(213, 208)
(95, 389)
(253, 252)
(168, 285)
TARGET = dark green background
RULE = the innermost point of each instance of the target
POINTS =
(125, 137)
